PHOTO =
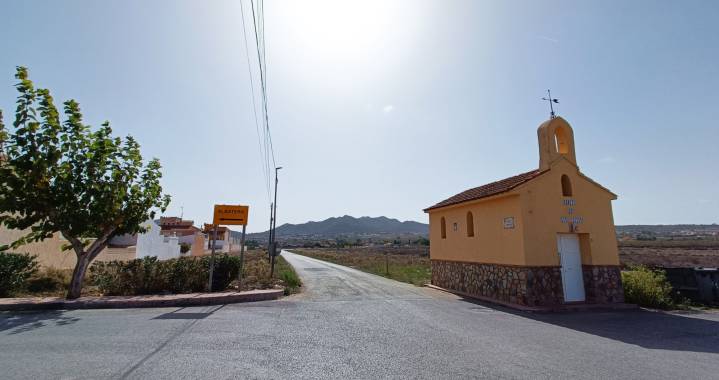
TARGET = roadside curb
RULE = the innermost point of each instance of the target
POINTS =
(542, 309)
(123, 302)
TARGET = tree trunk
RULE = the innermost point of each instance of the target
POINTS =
(83, 262)
(84, 258)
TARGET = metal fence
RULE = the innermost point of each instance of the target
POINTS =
(697, 284)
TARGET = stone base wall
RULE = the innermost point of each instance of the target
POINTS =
(603, 283)
(528, 286)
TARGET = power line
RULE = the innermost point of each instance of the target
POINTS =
(258, 19)
(265, 163)
(264, 71)
(265, 121)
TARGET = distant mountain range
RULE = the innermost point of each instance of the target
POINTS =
(347, 226)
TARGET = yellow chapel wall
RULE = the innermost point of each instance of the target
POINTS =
(491, 244)
(542, 210)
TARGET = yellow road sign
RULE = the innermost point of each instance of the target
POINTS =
(231, 215)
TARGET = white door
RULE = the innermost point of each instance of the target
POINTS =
(571, 259)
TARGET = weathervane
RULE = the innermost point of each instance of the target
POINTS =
(551, 107)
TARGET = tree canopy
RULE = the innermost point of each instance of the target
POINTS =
(63, 177)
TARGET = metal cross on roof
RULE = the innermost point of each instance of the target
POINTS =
(551, 107)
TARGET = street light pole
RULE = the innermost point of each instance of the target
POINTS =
(274, 228)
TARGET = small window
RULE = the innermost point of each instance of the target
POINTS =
(444, 229)
(560, 141)
(566, 186)
(470, 224)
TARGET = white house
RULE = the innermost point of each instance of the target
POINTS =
(153, 243)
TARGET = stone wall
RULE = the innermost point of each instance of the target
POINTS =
(528, 286)
(603, 283)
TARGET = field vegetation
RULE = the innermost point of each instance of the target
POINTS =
(670, 253)
(405, 264)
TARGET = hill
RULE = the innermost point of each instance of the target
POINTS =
(345, 226)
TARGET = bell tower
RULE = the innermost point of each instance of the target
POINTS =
(556, 139)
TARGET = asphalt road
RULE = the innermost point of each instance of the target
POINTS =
(348, 324)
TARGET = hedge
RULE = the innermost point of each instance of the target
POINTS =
(149, 275)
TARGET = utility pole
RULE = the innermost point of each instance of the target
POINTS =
(212, 257)
(269, 234)
(274, 227)
(242, 257)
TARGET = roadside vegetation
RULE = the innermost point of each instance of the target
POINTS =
(149, 275)
(410, 264)
(257, 272)
(287, 275)
(21, 277)
(15, 270)
(647, 287)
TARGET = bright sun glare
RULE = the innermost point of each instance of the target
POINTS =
(348, 30)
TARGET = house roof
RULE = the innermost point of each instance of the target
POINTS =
(180, 231)
(173, 222)
(489, 189)
(208, 228)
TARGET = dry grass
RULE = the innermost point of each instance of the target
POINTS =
(256, 273)
(53, 282)
(694, 244)
(668, 257)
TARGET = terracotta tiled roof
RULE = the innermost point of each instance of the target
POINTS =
(171, 222)
(489, 189)
(209, 228)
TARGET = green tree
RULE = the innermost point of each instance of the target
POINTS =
(63, 177)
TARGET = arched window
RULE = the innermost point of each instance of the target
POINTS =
(444, 229)
(470, 224)
(566, 186)
(560, 141)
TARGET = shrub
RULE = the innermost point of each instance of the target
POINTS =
(188, 275)
(149, 275)
(49, 280)
(647, 287)
(15, 269)
(226, 269)
(185, 247)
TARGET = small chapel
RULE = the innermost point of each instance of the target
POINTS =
(538, 239)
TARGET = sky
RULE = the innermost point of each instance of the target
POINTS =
(387, 107)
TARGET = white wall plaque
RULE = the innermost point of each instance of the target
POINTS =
(509, 222)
